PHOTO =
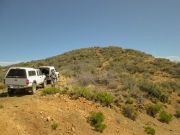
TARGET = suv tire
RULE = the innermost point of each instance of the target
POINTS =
(10, 91)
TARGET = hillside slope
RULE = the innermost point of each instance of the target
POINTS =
(135, 80)
(115, 69)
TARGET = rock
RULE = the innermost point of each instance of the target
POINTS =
(73, 129)
(48, 118)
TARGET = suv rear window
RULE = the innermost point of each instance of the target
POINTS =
(16, 73)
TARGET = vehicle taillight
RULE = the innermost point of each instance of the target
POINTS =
(27, 82)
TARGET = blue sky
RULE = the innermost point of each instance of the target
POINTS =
(36, 29)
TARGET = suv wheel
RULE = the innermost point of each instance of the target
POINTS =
(10, 92)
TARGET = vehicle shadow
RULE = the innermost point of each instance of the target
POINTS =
(15, 94)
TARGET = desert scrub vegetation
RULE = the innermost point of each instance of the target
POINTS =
(54, 126)
(77, 92)
(129, 100)
(165, 117)
(149, 130)
(154, 91)
(171, 86)
(153, 109)
(96, 120)
(129, 111)
(104, 98)
(82, 65)
(50, 91)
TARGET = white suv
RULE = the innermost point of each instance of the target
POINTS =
(24, 78)
(47, 70)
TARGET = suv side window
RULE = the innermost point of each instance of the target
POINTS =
(31, 73)
(39, 72)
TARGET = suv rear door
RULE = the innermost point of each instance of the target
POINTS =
(40, 77)
(16, 77)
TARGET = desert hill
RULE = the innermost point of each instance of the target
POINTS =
(143, 90)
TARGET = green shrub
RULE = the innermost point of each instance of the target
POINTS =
(153, 109)
(152, 89)
(104, 98)
(50, 91)
(130, 112)
(165, 117)
(177, 114)
(149, 130)
(54, 126)
(96, 120)
(129, 101)
(82, 92)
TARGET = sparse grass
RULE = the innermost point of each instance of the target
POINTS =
(130, 112)
(165, 117)
(54, 126)
(50, 91)
(177, 114)
(153, 109)
(149, 130)
(112, 85)
(96, 120)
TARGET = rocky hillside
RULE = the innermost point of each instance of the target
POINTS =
(115, 69)
(142, 88)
